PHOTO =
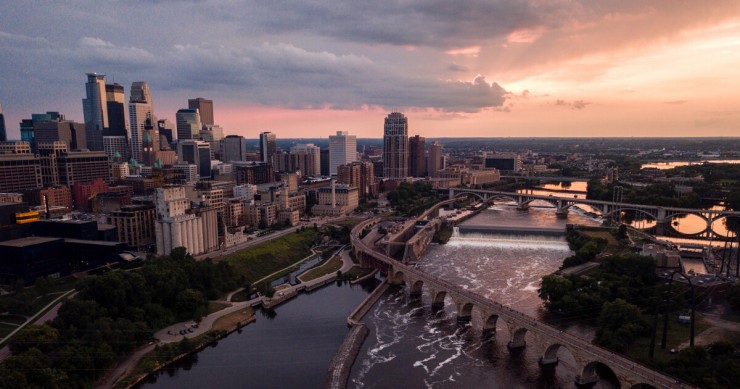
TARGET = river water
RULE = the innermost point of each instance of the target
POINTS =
(290, 347)
(413, 346)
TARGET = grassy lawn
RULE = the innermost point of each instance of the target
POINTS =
(611, 241)
(228, 322)
(240, 296)
(677, 334)
(357, 272)
(328, 267)
(269, 257)
(215, 307)
(6, 329)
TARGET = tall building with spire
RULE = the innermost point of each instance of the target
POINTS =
(396, 146)
(140, 108)
(205, 108)
(95, 110)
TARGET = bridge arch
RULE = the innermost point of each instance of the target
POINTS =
(550, 356)
(680, 220)
(416, 288)
(518, 338)
(489, 324)
(464, 311)
(438, 299)
(396, 277)
(619, 210)
(595, 370)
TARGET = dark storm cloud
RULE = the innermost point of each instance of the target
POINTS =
(436, 23)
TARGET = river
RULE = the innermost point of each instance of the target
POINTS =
(290, 347)
(412, 346)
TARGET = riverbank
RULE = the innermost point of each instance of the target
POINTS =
(119, 375)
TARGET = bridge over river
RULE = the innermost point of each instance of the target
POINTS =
(661, 215)
(548, 339)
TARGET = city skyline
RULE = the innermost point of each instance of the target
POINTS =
(479, 69)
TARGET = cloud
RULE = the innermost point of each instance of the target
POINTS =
(575, 104)
(289, 76)
(105, 53)
(675, 102)
(455, 67)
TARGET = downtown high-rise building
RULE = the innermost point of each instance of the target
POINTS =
(417, 160)
(233, 148)
(95, 110)
(395, 146)
(205, 108)
(308, 159)
(268, 146)
(342, 150)
(195, 152)
(140, 108)
(188, 124)
(3, 131)
(435, 161)
(115, 136)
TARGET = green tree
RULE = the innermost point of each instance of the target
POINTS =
(179, 253)
(42, 337)
(190, 303)
(619, 324)
(553, 289)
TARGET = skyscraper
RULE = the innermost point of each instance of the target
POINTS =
(234, 148)
(3, 133)
(268, 146)
(95, 110)
(205, 108)
(342, 150)
(188, 124)
(115, 137)
(140, 108)
(436, 159)
(308, 158)
(395, 146)
(196, 152)
(417, 161)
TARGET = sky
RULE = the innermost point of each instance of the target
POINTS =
(468, 68)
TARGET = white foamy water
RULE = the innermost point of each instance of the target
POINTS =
(431, 350)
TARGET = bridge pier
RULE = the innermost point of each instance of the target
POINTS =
(438, 299)
(549, 361)
(522, 207)
(561, 213)
(516, 344)
(586, 382)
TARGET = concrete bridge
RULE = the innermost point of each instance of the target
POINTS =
(547, 340)
(663, 216)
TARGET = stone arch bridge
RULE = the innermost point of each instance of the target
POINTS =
(548, 340)
(661, 215)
